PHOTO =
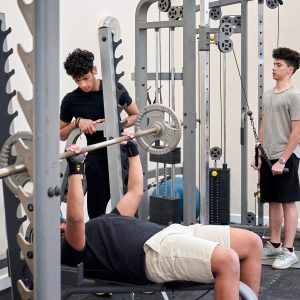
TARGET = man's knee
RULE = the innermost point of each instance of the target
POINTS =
(245, 243)
(225, 261)
(255, 243)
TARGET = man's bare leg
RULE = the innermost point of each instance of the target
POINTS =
(290, 223)
(275, 219)
(248, 247)
(226, 269)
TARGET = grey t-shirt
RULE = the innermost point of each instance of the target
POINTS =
(278, 112)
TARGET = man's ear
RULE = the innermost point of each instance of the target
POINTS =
(290, 70)
(94, 70)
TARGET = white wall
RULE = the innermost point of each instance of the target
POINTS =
(79, 21)
(78, 29)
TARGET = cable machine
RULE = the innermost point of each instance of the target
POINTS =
(187, 22)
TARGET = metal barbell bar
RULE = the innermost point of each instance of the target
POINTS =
(169, 133)
(155, 130)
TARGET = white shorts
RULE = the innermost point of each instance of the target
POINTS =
(184, 252)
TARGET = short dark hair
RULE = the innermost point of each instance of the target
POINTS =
(291, 57)
(79, 62)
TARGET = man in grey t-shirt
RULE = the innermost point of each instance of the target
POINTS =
(279, 135)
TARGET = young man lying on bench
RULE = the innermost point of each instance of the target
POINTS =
(122, 244)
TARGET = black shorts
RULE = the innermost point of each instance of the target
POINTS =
(280, 188)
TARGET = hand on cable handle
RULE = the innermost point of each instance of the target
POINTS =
(76, 162)
(131, 146)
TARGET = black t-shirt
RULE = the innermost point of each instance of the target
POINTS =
(113, 243)
(90, 105)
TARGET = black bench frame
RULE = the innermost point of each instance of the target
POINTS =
(78, 281)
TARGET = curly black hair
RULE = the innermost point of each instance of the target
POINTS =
(291, 57)
(79, 62)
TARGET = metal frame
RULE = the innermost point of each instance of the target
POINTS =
(141, 77)
(260, 12)
(189, 94)
(44, 156)
(204, 106)
(47, 283)
(244, 109)
(204, 110)
(5, 280)
(111, 113)
(11, 203)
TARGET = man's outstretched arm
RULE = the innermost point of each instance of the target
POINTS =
(75, 226)
(130, 202)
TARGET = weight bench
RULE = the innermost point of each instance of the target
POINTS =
(80, 281)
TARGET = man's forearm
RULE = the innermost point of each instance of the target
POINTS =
(130, 202)
(75, 200)
(135, 176)
(130, 121)
(65, 131)
(75, 227)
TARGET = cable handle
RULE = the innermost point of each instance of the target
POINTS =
(285, 170)
(256, 156)
(267, 160)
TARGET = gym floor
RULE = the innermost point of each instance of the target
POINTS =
(275, 285)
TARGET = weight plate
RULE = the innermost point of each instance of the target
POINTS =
(165, 118)
(8, 153)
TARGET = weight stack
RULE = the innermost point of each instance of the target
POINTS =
(219, 196)
(164, 210)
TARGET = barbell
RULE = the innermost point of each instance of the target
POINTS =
(161, 125)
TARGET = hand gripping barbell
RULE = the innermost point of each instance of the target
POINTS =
(160, 123)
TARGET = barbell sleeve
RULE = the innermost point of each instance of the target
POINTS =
(12, 170)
